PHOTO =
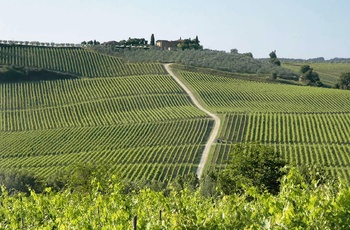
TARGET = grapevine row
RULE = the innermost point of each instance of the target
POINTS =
(62, 92)
(103, 112)
(223, 94)
(151, 163)
(292, 128)
(73, 60)
(122, 145)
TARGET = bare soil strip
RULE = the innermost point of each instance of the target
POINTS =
(214, 131)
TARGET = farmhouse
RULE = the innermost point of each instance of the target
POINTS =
(168, 45)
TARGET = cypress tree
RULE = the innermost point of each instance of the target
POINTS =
(152, 40)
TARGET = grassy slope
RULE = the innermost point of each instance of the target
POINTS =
(329, 72)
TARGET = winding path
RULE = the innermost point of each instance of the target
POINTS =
(216, 119)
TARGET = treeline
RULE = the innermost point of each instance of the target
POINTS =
(37, 43)
(190, 44)
(220, 60)
(316, 60)
(20, 74)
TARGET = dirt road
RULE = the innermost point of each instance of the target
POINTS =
(216, 125)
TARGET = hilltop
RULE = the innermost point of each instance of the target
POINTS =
(219, 60)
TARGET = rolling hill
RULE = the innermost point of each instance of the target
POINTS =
(133, 117)
(138, 120)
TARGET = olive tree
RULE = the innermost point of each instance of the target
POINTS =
(344, 81)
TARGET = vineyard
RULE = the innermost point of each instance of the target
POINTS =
(136, 118)
(306, 125)
(76, 61)
(223, 94)
(137, 128)
(140, 123)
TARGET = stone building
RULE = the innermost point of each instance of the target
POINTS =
(168, 45)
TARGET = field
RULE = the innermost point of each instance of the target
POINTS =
(142, 125)
(139, 121)
(329, 72)
(306, 125)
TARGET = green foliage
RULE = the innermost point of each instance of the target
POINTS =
(234, 51)
(309, 76)
(273, 58)
(208, 185)
(78, 177)
(297, 206)
(304, 68)
(273, 55)
(19, 181)
(344, 81)
(189, 181)
(134, 42)
(276, 62)
(315, 175)
(91, 43)
(251, 165)
(190, 44)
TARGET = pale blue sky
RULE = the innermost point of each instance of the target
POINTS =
(295, 28)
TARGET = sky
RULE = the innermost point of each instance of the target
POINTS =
(294, 28)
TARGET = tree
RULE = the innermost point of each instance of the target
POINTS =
(309, 76)
(208, 185)
(251, 165)
(344, 81)
(152, 40)
(196, 40)
(134, 42)
(249, 54)
(190, 44)
(273, 58)
(273, 55)
(305, 68)
(19, 181)
(78, 177)
(189, 181)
